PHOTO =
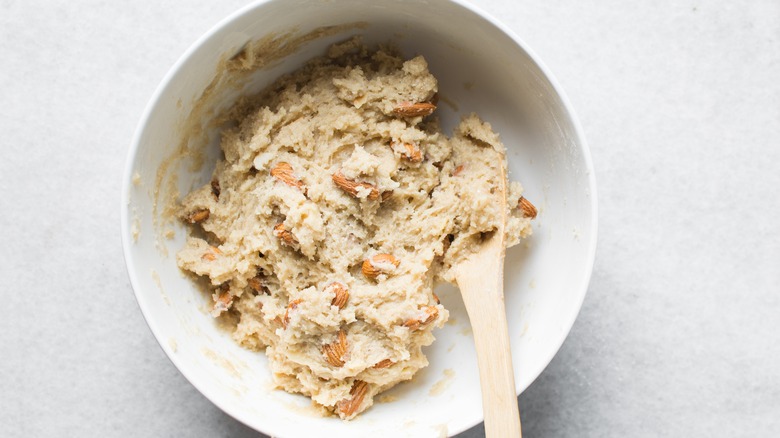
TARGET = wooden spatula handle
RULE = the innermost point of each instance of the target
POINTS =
(484, 299)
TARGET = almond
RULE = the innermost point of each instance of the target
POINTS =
(341, 292)
(528, 209)
(334, 352)
(198, 216)
(257, 284)
(222, 299)
(215, 189)
(349, 406)
(352, 187)
(428, 315)
(284, 173)
(292, 306)
(285, 235)
(383, 364)
(412, 153)
(414, 109)
(379, 264)
(212, 254)
(458, 170)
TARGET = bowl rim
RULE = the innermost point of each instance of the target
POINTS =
(127, 177)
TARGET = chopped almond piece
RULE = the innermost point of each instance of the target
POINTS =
(379, 264)
(198, 216)
(284, 173)
(383, 364)
(412, 153)
(292, 306)
(212, 254)
(349, 406)
(414, 109)
(285, 235)
(354, 187)
(428, 316)
(334, 352)
(341, 292)
(215, 189)
(528, 209)
(257, 284)
(222, 300)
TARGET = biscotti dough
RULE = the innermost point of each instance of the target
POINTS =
(337, 208)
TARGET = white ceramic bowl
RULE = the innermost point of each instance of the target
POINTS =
(481, 66)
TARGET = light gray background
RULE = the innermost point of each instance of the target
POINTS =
(680, 331)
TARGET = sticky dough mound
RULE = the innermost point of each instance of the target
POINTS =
(337, 208)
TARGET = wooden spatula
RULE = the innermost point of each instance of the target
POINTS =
(480, 279)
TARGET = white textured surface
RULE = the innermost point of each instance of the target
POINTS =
(680, 332)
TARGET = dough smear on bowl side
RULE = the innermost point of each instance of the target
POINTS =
(336, 209)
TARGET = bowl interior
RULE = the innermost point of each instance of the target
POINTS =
(480, 68)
